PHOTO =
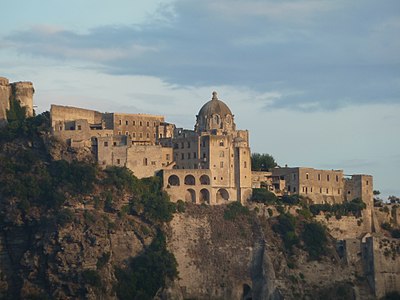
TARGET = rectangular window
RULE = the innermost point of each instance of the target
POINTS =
(134, 123)
(319, 176)
(221, 143)
(79, 127)
(126, 132)
(306, 175)
(154, 124)
(320, 190)
(167, 156)
(221, 164)
(105, 144)
(141, 135)
(337, 178)
(327, 177)
(126, 122)
(194, 155)
(118, 161)
(367, 182)
(294, 189)
(182, 155)
(133, 134)
(119, 132)
(145, 161)
(153, 163)
(188, 155)
(327, 191)
(188, 144)
(148, 135)
(140, 123)
(245, 164)
(147, 124)
(120, 122)
(338, 191)
(204, 155)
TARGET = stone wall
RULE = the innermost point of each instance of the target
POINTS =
(67, 113)
(347, 227)
(383, 265)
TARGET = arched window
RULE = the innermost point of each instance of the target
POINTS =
(204, 180)
(222, 195)
(173, 180)
(189, 180)
(204, 196)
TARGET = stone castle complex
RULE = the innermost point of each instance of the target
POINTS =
(210, 164)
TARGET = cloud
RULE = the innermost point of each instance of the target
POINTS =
(314, 54)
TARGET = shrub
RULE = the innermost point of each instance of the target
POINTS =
(147, 272)
(286, 228)
(386, 226)
(235, 209)
(263, 196)
(91, 277)
(315, 239)
(64, 216)
(291, 199)
(270, 212)
(180, 206)
(395, 233)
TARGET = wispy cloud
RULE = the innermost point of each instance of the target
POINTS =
(314, 54)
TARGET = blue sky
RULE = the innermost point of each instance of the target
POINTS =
(317, 83)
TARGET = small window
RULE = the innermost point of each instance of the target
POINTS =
(294, 189)
(141, 135)
(126, 122)
(215, 178)
(148, 135)
(154, 124)
(327, 177)
(118, 161)
(367, 182)
(153, 163)
(188, 144)
(188, 155)
(126, 132)
(348, 192)
(182, 155)
(221, 154)
(319, 176)
(194, 155)
(337, 178)
(105, 144)
(338, 191)
(140, 123)
(245, 164)
(133, 134)
(134, 123)
(79, 127)
(221, 164)
(115, 143)
(306, 175)
(120, 122)
(147, 124)
(222, 178)
(167, 157)
(204, 155)
(119, 132)
(320, 190)
(145, 161)
(327, 191)
(221, 143)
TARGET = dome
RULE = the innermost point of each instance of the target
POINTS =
(214, 107)
(215, 116)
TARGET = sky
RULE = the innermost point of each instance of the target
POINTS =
(316, 83)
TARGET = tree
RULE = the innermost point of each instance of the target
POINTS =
(262, 162)
(394, 199)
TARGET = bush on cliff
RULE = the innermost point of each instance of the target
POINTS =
(262, 195)
(234, 210)
(315, 239)
(147, 273)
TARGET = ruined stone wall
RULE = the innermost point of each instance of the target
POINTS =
(20, 91)
(4, 99)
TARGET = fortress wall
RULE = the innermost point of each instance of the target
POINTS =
(384, 273)
(348, 227)
(66, 113)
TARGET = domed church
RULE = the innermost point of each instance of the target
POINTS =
(212, 162)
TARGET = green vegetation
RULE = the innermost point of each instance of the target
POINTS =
(315, 240)
(286, 227)
(262, 162)
(262, 195)
(91, 277)
(235, 209)
(353, 207)
(147, 272)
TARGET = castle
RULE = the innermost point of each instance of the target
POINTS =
(212, 165)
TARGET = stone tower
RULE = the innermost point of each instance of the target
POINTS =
(20, 91)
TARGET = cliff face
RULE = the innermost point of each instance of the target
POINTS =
(245, 258)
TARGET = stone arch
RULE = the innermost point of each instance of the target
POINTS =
(222, 195)
(204, 180)
(204, 196)
(247, 293)
(189, 180)
(190, 196)
(173, 180)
